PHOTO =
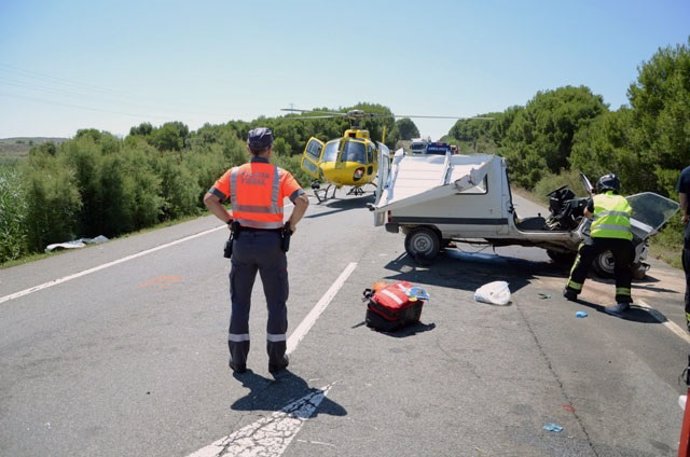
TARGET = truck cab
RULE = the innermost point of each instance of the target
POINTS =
(418, 146)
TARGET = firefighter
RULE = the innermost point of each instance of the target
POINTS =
(610, 231)
(256, 191)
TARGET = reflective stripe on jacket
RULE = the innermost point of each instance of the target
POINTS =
(611, 217)
(255, 195)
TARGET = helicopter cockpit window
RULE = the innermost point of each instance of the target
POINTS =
(331, 151)
(354, 152)
(314, 149)
(371, 153)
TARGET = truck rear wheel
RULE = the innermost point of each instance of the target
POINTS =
(422, 244)
(603, 265)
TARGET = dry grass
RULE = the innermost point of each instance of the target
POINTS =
(18, 148)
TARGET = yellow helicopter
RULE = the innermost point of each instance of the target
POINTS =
(351, 160)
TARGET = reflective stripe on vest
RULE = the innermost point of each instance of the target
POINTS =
(246, 210)
(611, 217)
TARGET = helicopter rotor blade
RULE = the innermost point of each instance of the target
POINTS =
(356, 115)
(327, 116)
(422, 116)
(316, 112)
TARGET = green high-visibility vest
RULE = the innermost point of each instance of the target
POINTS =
(611, 217)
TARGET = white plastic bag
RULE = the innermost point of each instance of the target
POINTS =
(494, 293)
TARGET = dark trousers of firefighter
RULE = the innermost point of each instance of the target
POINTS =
(623, 254)
(686, 268)
(258, 251)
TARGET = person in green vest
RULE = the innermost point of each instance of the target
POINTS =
(610, 231)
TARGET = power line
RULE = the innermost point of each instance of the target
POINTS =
(59, 87)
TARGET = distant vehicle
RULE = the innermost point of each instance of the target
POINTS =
(418, 146)
(438, 148)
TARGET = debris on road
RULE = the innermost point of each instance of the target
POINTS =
(75, 244)
(551, 427)
(493, 293)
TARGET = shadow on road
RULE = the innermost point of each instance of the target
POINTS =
(469, 271)
(635, 313)
(408, 330)
(267, 394)
(338, 205)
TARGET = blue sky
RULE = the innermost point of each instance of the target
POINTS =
(110, 65)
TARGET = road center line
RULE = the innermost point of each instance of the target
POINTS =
(55, 282)
(270, 436)
(672, 326)
(309, 321)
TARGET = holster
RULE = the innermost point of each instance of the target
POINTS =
(285, 235)
(234, 233)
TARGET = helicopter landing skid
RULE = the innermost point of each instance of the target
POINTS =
(355, 191)
(322, 194)
(359, 190)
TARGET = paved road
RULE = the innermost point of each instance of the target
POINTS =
(130, 358)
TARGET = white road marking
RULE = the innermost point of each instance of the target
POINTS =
(309, 321)
(672, 326)
(269, 436)
(55, 282)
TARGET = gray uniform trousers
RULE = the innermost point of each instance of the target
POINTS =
(258, 250)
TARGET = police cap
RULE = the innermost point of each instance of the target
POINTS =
(259, 139)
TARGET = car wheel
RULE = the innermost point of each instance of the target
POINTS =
(422, 244)
(603, 265)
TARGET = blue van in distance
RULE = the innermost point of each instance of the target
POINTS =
(438, 148)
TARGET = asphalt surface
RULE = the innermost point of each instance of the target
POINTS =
(131, 358)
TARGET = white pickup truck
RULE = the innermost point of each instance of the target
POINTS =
(435, 200)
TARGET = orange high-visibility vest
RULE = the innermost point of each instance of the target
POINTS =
(256, 191)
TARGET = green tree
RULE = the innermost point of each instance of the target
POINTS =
(52, 200)
(659, 99)
(13, 214)
(608, 145)
(500, 125)
(84, 156)
(143, 129)
(146, 186)
(180, 189)
(540, 137)
(170, 136)
(403, 130)
(475, 133)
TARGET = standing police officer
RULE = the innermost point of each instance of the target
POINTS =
(610, 231)
(256, 191)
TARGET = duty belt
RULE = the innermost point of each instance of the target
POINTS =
(254, 229)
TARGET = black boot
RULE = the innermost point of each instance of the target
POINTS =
(569, 294)
(279, 366)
